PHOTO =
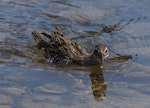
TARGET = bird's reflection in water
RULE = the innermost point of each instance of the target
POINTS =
(99, 87)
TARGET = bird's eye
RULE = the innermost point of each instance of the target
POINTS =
(95, 52)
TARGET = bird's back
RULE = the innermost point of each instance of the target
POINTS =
(58, 48)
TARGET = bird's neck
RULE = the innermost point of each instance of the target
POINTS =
(93, 60)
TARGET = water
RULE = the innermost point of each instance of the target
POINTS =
(27, 81)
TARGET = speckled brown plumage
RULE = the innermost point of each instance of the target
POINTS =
(59, 49)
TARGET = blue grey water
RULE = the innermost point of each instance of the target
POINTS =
(27, 81)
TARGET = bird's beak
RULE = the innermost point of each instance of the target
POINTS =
(101, 57)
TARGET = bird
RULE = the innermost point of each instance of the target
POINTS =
(61, 50)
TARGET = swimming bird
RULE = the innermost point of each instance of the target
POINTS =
(59, 49)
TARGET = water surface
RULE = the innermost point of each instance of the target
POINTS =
(27, 81)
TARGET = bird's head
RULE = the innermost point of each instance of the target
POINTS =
(101, 51)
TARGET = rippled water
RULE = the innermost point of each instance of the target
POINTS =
(27, 81)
